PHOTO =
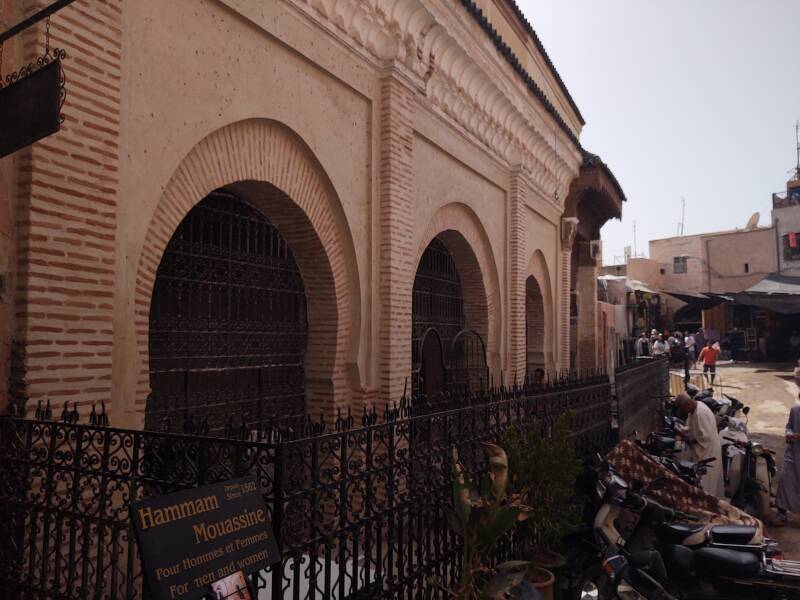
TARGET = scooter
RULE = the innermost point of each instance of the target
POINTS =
(619, 579)
(726, 405)
(664, 445)
(749, 470)
(723, 569)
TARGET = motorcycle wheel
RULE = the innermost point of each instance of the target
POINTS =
(752, 504)
(593, 574)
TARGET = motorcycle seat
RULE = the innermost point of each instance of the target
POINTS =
(676, 533)
(732, 534)
(679, 561)
(729, 563)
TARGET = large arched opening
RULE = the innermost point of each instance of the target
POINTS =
(296, 298)
(539, 317)
(449, 319)
(534, 328)
(228, 322)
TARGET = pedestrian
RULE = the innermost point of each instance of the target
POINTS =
(699, 340)
(659, 346)
(642, 346)
(702, 442)
(676, 349)
(788, 499)
(708, 356)
(689, 342)
(794, 344)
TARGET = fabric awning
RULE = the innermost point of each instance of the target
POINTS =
(776, 284)
(778, 293)
(632, 285)
(704, 301)
(638, 286)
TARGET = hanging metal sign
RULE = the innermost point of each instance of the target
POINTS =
(30, 104)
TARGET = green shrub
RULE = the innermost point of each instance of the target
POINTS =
(543, 470)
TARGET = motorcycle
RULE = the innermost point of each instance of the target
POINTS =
(724, 565)
(726, 405)
(749, 469)
(664, 445)
(620, 580)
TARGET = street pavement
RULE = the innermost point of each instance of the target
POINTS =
(770, 391)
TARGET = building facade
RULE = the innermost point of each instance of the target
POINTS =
(293, 207)
(786, 222)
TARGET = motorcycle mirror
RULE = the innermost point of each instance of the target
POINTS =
(746, 410)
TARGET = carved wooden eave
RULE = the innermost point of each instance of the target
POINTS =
(594, 197)
(440, 50)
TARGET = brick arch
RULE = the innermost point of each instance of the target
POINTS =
(459, 228)
(268, 165)
(539, 310)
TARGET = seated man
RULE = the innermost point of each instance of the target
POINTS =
(702, 441)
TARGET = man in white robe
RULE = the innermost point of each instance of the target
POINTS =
(702, 442)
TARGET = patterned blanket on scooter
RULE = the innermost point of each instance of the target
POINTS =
(634, 464)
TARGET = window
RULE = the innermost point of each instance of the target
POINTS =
(791, 246)
(679, 264)
(746, 267)
(662, 271)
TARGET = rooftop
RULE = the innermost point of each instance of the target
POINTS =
(513, 60)
(712, 233)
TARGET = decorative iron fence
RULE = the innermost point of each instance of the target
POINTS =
(359, 511)
(641, 387)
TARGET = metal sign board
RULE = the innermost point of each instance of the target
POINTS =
(30, 108)
(201, 541)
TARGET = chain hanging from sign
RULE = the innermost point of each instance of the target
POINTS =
(31, 99)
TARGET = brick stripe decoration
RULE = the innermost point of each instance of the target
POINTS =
(397, 204)
(267, 165)
(516, 266)
(461, 231)
(66, 214)
(569, 227)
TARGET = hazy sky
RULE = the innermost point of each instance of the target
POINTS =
(693, 98)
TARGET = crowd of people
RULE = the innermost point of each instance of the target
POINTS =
(685, 349)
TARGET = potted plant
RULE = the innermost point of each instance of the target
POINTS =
(543, 468)
(483, 513)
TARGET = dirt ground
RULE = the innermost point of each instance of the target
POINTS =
(770, 391)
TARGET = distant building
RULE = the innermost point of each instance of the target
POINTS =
(739, 285)
(786, 222)
(719, 261)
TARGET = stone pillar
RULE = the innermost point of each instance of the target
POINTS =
(588, 319)
(569, 227)
(517, 264)
(396, 222)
